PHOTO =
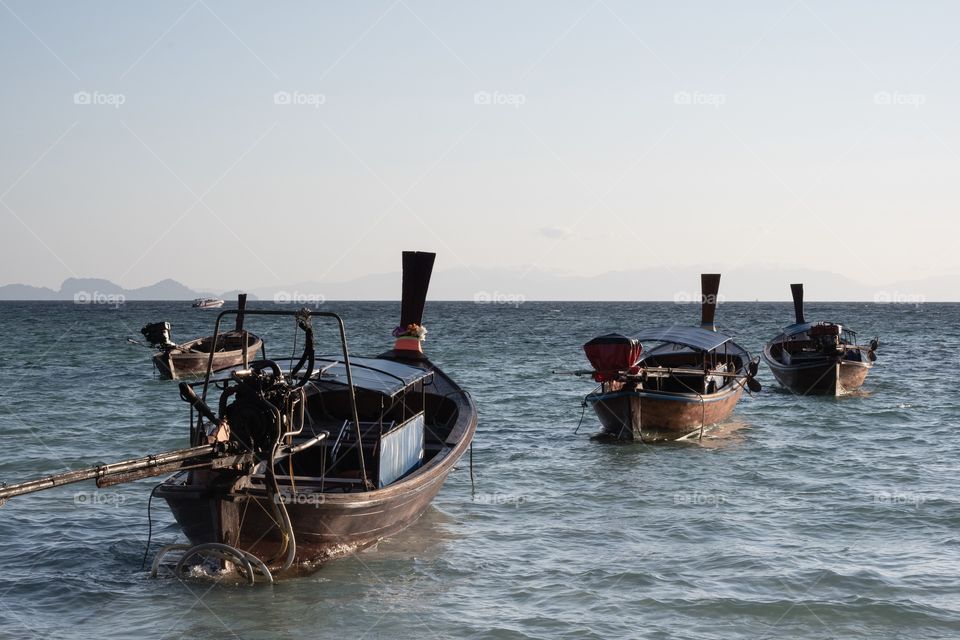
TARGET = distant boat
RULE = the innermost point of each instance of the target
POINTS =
(818, 357)
(194, 357)
(691, 378)
(207, 303)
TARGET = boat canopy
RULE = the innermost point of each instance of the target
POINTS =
(372, 374)
(693, 337)
(804, 327)
(800, 327)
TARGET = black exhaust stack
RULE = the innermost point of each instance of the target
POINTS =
(417, 269)
(709, 286)
(797, 291)
(241, 305)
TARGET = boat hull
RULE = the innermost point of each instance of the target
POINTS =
(214, 506)
(824, 377)
(651, 416)
(179, 362)
(326, 526)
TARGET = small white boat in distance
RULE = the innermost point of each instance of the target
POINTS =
(207, 303)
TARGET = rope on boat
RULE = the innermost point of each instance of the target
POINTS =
(579, 424)
(639, 421)
(703, 415)
(473, 487)
(248, 564)
(146, 549)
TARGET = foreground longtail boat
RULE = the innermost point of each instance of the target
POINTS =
(691, 378)
(298, 462)
(191, 358)
(818, 357)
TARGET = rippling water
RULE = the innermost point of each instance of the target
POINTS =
(801, 518)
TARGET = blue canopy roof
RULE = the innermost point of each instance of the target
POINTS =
(374, 374)
(794, 329)
(693, 337)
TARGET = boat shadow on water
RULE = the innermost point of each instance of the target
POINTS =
(716, 436)
(782, 392)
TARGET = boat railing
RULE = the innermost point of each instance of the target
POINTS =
(298, 315)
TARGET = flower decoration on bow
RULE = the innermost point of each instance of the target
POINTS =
(412, 330)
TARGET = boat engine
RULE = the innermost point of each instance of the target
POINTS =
(266, 404)
(827, 338)
(265, 407)
(158, 335)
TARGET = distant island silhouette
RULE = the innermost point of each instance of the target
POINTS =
(512, 285)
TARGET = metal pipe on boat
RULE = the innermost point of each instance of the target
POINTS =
(100, 473)
(289, 451)
(188, 395)
(239, 561)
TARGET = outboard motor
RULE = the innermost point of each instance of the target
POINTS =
(158, 335)
(827, 337)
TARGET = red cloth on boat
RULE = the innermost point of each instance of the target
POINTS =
(612, 354)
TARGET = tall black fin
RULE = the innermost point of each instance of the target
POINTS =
(417, 269)
(709, 286)
(797, 291)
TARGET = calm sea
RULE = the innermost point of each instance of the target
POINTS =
(800, 518)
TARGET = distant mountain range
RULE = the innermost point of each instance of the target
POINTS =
(511, 285)
(82, 289)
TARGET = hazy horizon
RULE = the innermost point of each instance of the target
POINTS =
(506, 286)
(230, 146)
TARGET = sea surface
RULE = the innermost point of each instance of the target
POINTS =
(800, 518)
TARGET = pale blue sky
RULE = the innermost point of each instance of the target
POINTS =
(631, 135)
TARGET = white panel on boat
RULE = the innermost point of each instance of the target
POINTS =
(401, 450)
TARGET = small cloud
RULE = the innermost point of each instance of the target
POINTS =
(556, 233)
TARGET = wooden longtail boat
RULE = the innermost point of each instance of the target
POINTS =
(300, 462)
(818, 357)
(191, 358)
(691, 378)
